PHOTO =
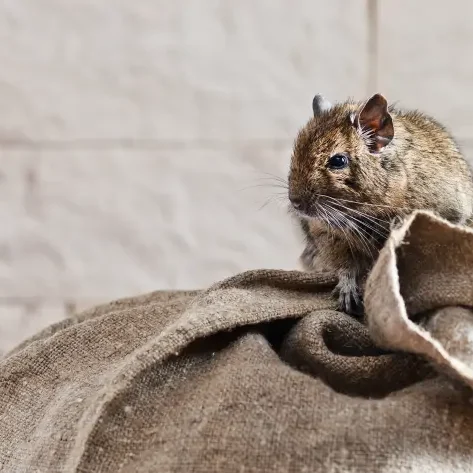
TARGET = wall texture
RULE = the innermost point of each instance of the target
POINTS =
(130, 132)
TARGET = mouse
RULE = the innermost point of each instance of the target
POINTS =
(358, 168)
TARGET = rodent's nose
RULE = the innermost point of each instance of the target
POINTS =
(296, 202)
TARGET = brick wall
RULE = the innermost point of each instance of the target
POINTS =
(130, 132)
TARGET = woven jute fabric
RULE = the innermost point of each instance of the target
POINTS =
(259, 373)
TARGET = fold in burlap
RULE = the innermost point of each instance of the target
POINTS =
(258, 373)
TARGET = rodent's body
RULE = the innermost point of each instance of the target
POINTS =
(356, 168)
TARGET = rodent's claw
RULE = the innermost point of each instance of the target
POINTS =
(356, 308)
(350, 300)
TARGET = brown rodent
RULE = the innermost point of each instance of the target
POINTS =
(357, 167)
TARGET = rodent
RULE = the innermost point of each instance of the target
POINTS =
(358, 166)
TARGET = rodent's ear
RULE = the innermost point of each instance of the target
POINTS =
(320, 104)
(375, 123)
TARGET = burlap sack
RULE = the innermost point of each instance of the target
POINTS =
(257, 374)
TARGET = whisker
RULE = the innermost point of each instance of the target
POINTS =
(363, 238)
(369, 227)
(365, 203)
(279, 181)
(345, 234)
(367, 244)
(265, 204)
(275, 178)
(269, 186)
(278, 199)
(348, 236)
(380, 230)
(370, 217)
(326, 217)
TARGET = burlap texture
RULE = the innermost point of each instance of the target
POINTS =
(257, 374)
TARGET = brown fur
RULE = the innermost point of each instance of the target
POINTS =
(398, 161)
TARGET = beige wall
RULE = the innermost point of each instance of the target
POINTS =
(128, 131)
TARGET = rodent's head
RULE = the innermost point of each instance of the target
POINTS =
(341, 163)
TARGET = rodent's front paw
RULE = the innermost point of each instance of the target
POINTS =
(349, 297)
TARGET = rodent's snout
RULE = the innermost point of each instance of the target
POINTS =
(300, 203)
(300, 196)
(296, 202)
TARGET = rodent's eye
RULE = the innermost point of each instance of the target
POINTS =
(338, 161)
